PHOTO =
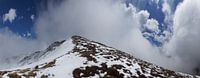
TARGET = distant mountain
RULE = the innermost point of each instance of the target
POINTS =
(79, 57)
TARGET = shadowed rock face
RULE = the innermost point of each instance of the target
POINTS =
(97, 60)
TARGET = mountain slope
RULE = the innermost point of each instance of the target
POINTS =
(80, 57)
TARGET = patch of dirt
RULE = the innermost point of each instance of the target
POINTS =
(109, 72)
(50, 64)
(14, 75)
(44, 76)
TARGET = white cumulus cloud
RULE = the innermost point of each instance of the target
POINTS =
(152, 25)
(185, 42)
(10, 16)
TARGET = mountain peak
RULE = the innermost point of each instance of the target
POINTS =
(80, 57)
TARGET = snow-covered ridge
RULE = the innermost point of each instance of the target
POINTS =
(80, 57)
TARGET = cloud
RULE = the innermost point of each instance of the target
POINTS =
(13, 44)
(186, 40)
(166, 8)
(157, 3)
(164, 38)
(32, 17)
(10, 16)
(152, 25)
(106, 21)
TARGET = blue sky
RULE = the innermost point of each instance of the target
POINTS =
(23, 23)
(155, 10)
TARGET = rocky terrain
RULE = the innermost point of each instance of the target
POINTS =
(79, 57)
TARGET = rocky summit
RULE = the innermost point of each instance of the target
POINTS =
(79, 57)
